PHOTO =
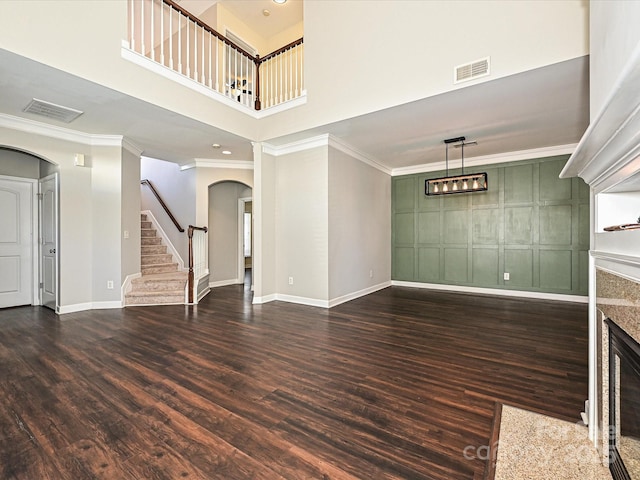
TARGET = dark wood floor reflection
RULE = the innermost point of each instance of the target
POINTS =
(393, 385)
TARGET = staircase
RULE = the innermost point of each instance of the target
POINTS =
(161, 283)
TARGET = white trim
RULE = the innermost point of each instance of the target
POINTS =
(213, 163)
(164, 236)
(324, 140)
(202, 294)
(224, 283)
(131, 147)
(490, 159)
(35, 242)
(624, 266)
(360, 293)
(264, 299)
(493, 291)
(312, 302)
(297, 146)
(60, 133)
(126, 286)
(281, 107)
(81, 307)
(344, 147)
(185, 81)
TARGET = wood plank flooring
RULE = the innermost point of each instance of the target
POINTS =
(393, 385)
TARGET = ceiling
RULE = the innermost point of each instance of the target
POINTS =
(538, 108)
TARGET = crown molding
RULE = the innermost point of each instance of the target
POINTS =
(131, 147)
(324, 140)
(214, 163)
(60, 133)
(490, 159)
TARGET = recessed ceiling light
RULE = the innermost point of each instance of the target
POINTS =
(266, 12)
(226, 152)
(216, 145)
(279, 2)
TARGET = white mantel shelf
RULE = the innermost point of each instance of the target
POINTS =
(608, 154)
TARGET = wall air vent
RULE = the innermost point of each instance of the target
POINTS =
(51, 110)
(471, 71)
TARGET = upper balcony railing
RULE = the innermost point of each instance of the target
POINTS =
(169, 35)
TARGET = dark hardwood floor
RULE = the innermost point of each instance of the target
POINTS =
(392, 385)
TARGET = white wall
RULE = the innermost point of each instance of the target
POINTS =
(614, 36)
(302, 224)
(106, 224)
(130, 219)
(177, 188)
(264, 225)
(389, 52)
(359, 225)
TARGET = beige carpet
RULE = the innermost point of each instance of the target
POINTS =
(537, 447)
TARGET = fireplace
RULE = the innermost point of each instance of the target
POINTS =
(624, 404)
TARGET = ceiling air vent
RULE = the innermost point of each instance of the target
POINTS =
(470, 71)
(51, 110)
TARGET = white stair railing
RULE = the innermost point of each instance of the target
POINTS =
(165, 33)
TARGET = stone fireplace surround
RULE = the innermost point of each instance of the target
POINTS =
(617, 298)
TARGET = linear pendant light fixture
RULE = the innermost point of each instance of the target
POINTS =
(463, 183)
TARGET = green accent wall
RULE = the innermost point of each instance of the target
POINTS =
(530, 223)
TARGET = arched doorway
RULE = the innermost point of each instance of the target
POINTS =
(230, 239)
(29, 238)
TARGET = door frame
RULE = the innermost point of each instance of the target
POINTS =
(35, 221)
(241, 207)
(40, 269)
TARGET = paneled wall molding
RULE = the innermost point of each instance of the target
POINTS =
(60, 133)
(529, 232)
(489, 159)
(494, 291)
(214, 163)
(322, 141)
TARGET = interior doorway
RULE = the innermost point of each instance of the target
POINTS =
(29, 237)
(229, 255)
(245, 235)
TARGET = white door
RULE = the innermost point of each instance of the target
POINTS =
(49, 241)
(16, 242)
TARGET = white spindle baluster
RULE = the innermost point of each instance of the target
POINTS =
(228, 79)
(235, 70)
(142, 49)
(162, 33)
(171, 38)
(217, 42)
(211, 58)
(195, 51)
(204, 80)
(187, 40)
(152, 32)
(301, 68)
(180, 43)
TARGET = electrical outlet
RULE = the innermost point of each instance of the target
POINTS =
(110, 284)
(290, 280)
(370, 273)
(506, 275)
(126, 234)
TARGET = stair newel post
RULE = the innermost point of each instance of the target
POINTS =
(256, 87)
(191, 279)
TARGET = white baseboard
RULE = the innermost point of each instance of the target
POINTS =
(203, 293)
(361, 293)
(493, 291)
(81, 307)
(312, 302)
(224, 283)
(265, 299)
(316, 302)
